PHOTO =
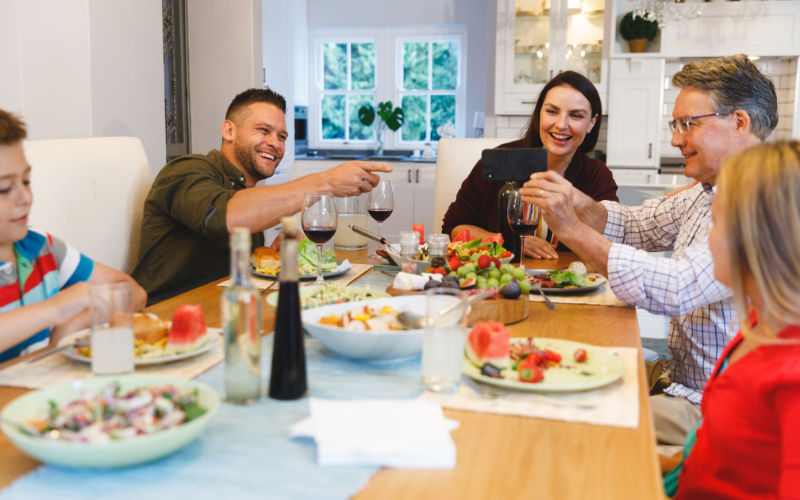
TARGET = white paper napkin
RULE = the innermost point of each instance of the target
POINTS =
(406, 434)
(344, 266)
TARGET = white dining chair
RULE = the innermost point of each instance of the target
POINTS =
(90, 193)
(454, 162)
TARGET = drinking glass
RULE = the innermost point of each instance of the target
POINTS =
(523, 219)
(352, 211)
(443, 340)
(112, 328)
(319, 223)
(380, 203)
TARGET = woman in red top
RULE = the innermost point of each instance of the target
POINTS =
(748, 443)
(565, 122)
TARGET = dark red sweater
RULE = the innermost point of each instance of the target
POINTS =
(476, 201)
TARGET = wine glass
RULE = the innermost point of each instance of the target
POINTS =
(380, 203)
(319, 223)
(523, 218)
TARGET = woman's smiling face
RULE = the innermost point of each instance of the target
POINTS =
(564, 121)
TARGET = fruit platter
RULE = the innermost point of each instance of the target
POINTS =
(157, 341)
(537, 364)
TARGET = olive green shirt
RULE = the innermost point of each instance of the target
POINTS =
(185, 236)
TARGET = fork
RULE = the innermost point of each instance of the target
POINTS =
(538, 288)
(495, 393)
(82, 342)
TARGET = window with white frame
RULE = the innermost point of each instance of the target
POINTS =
(418, 69)
(428, 88)
(348, 83)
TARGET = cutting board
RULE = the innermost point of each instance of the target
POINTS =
(502, 310)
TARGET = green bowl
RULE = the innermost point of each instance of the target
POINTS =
(122, 453)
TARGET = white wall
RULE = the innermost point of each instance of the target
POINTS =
(279, 49)
(225, 58)
(85, 68)
(472, 13)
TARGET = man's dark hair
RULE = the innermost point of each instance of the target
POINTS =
(252, 96)
(532, 139)
(12, 129)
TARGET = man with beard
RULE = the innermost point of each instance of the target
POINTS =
(197, 199)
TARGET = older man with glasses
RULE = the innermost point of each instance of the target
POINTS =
(725, 105)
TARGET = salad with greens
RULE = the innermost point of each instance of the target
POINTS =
(307, 258)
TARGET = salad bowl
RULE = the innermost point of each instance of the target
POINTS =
(114, 454)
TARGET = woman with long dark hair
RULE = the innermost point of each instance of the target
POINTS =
(566, 122)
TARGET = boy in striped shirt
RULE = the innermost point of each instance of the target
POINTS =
(44, 282)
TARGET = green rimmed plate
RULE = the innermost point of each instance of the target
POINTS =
(272, 299)
(602, 367)
(121, 453)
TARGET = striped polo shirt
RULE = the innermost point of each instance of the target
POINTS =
(44, 266)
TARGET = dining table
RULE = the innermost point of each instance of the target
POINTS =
(498, 456)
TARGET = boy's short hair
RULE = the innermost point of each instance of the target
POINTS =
(252, 96)
(12, 128)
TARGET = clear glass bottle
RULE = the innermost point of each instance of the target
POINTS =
(241, 323)
(437, 249)
(409, 249)
(511, 241)
(288, 376)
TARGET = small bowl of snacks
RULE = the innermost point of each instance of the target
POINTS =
(109, 422)
(368, 330)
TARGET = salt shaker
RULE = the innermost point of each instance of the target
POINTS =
(409, 249)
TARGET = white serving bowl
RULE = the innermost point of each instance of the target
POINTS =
(121, 453)
(369, 345)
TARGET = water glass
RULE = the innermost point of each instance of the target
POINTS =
(443, 340)
(352, 211)
(112, 328)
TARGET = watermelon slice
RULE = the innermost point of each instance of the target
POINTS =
(489, 342)
(495, 237)
(188, 332)
(463, 236)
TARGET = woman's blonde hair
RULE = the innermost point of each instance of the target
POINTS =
(759, 193)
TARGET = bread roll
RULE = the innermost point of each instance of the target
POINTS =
(578, 267)
(149, 329)
(264, 257)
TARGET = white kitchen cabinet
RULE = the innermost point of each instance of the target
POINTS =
(538, 39)
(634, 113)
(413, 185)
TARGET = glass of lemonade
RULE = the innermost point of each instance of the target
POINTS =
(352, 212)
(443, 340)
(112, 328)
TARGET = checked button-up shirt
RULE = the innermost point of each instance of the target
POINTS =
(682, 287)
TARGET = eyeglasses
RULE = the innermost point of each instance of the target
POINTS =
(682, 124)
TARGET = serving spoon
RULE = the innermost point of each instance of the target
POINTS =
(414, 321)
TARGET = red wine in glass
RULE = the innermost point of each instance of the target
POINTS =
(523, 219)
(380, 214)
(319, 235)
(520, 227)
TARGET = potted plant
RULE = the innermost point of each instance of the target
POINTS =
(388, 116)
(637, 31)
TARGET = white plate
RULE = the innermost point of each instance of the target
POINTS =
(302, 277)
(214, 338)
(603, 366)
(368, 345)
(599, 283)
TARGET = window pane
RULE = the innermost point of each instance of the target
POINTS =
(415, 108)
(443, 110)
(335, 65)
(362, 71)
(445, 65)
(333, 117)
(359, 131)
(415, 66)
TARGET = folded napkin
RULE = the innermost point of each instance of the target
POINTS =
(344, 266)
(407, 281)
(405, 433)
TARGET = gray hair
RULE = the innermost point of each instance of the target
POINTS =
(734, 83)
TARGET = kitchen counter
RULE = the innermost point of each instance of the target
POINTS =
(345, 157)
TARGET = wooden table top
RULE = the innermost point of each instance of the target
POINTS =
(498, 456)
